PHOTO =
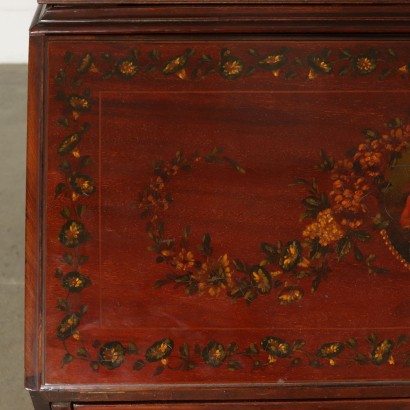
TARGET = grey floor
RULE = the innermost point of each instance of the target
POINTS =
(13, 96)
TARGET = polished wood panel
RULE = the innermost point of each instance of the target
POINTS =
(111, 321)
(205, 106)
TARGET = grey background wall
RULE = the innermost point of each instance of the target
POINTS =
(15, 18)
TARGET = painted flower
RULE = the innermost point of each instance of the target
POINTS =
(111, 355)
(330, 350)
(290, 294)
(381, 353)
(231, 68)
(396, 141)
(272, 62)
(69, 143)
(127, 67)
(348, 200)
(369, 157)
(159, 350)
(157, 183)
(218, 274)
(262, 280)
(276, 347)
(214, 354)
(291, 255)
(405, 68)
(79, 103)
(75, 282)
(349, 190)
(72, 234)
(176, 65)
(82, 184)
(184, 260)
(68, 326)
(318, 64)
(348, 194)
(325, 228)
(343, 167)
(85, 63)
(365, 64)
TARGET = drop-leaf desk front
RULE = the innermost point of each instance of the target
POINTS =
(217, 206)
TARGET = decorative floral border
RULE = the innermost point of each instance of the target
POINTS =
(281, 63)
(336, 217)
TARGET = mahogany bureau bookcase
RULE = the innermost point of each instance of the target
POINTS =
(218, 205)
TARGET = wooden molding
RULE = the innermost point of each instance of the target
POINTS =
(255, 19)
(33, 279)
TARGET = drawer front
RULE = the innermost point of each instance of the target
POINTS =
(313, 405)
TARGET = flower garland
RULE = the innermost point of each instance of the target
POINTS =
(340, 221)
(280, 62)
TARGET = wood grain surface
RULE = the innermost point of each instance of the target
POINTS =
(263, 123)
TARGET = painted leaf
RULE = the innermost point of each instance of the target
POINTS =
(234, 365)
(67, 358)
(138, 365)
(82, 352)
(85, 63)
(343, 247)
(60, 188)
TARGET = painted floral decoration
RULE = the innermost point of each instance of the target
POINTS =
(339, 218)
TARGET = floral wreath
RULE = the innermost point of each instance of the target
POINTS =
(339, 221)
